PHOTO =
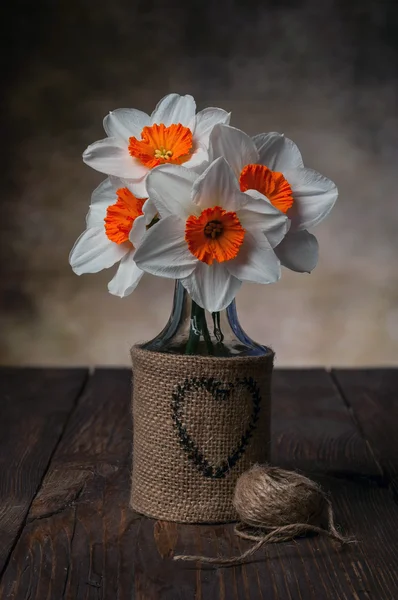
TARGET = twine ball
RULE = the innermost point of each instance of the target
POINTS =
(280, 505)
(269, 498)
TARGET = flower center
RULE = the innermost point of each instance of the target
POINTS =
(270, 183)
(163, 153)
(215, 235)
(160, 144)
(213, 229)
(121, 215)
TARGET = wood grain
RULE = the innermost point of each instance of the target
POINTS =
(81, 541)
(312, 428)
(77, 542)
(372, 396)
(35, 404)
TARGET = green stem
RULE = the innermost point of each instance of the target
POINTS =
(197, 328)
(194, 331)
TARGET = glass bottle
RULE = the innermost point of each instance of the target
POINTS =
(193, 330)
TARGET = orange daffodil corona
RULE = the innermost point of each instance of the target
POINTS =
(269, 167)
(211, 236)
(116, 224)
(188, 197)
(138, 143)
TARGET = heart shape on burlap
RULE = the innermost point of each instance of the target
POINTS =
(221, 393)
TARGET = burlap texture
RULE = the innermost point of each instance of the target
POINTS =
(198, 423)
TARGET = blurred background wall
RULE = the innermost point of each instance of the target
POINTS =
(324, 72)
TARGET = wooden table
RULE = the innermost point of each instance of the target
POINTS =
(66, 530)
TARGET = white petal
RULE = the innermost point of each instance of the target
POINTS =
(131, 184)
(111, 156)
(102, 197)
(277, 152)
(127, 277)
(118, 182)
(175, 109)
(200, 168)
(259, 214)
(93, 251)
(169, 188)
(138, 230)
(298, 251)
(211, 286)
(124, 123)
(256, 260)
(234, 145)
(138, 187)
(164, 251)
(205, 121)
(218, 186)
(314, 197)
(150, 211)
(199, 160)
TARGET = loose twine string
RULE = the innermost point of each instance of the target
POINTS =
(275, 505)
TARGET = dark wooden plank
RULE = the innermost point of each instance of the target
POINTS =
(78, 540)
(372, 396)
(82, 541)
(35, 404)
(312, 429)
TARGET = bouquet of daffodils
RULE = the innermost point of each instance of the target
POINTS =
(189, 197)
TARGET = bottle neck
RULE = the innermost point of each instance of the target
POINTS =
(195, 331)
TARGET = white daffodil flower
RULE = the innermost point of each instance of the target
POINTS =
(270, 166)
(137, 142)
(210, 235)
(115, 225)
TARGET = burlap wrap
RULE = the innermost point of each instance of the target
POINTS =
(198, 423)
